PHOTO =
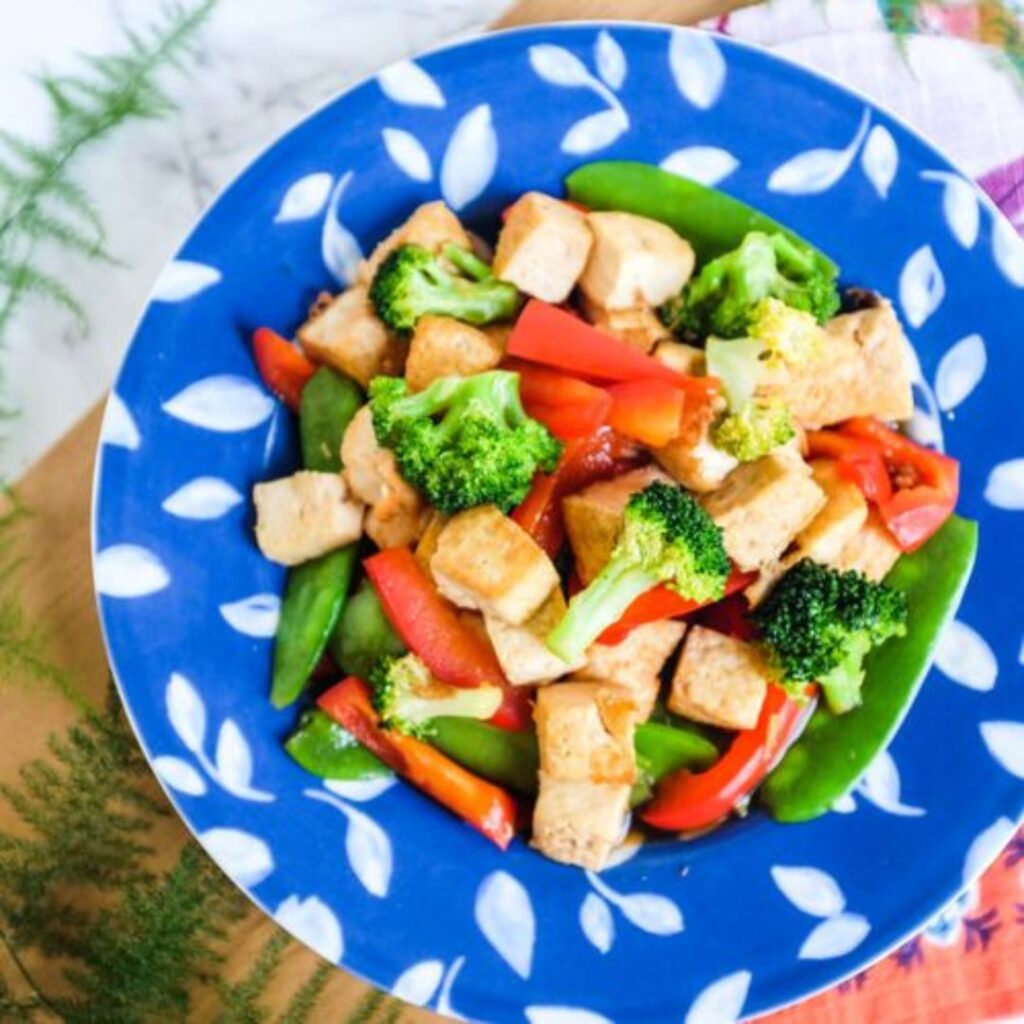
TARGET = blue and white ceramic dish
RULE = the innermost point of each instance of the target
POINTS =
(374, 876)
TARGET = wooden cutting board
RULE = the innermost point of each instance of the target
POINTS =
(55, 584)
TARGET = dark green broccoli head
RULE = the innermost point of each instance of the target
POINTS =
(463, 441)
(412, 282)
(818, 624)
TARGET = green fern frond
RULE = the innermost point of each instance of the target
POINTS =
(304, 1002)
(241, 1001)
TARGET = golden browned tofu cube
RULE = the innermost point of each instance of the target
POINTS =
(634, 261)
(682, 358)
(698, 467)
(579, 823)
(844, 513)
(543, 247)
(427, 544)
(345, 333)
(639, 326)
(762, 506)
(443, 347)
(305, 515)
(486, 561)
(872, 551)
(522, 650)
(431, 225)
(719, 680)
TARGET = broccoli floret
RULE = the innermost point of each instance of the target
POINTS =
(463, 441)
(412, 282)
(759, 427)
(408, 697)
(666, 538)
(721, 299)
(818, 624)
(789, 336)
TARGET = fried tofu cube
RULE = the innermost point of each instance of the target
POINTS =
(639, 326)
(762, 506)
(844, 513)
(543, 247)
(593, 517)
(682, 358)
(634, 261)
(487, 562)
(427, 543)
(579, 823)
(344, 332)
(719, 680)
(872, 551)
(303, 516)
(431, 225)
(698, 467)
(444, 347)
(522, 650)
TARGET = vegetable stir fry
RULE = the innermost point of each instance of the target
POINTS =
(614, 527)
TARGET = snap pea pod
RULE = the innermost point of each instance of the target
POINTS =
(835, 750)
(363, 633)
(662, 749)
(323, 747)
(711, 221)
(329, 401)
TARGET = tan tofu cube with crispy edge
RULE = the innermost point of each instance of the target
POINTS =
(691, 459)
(593, 517)
(682, 358)
(487, 562)
(871, 551)
(431, 225)
(344, 332)
(845, 512)
(543, 247)
(444, 347)
(634, 261)
(579, 823)
(719, 680)
(304, 516)
(639, 326)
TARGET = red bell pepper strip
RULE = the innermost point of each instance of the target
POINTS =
(729, 616)
(567, 406)
(284, 369)
(516, 711)
(569, 422)
(857, 460)
(650, 411)
(486, 807)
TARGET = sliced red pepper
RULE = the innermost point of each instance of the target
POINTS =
(729, 616)
(650, 411)
(516, 711)
(284, 369)
(486, 807)
(567, 406)
(857, 460)
(569, 422)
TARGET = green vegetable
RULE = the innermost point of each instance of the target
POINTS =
(323, 747)
(737, 364)
(662, 749)
(711, 221)
(463, 441)
(363, 634)
(329, 401)
(789, 337)
(312, 603)
(666, 538)
(759, 427)
(835, 751)
(412, 282)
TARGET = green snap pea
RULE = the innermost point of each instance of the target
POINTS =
(323, 747)
(662, 749)
(363, 633)
(835, 750)
(329, 401)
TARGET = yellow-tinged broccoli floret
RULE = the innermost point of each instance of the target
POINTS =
(789, 336)
(757, 428)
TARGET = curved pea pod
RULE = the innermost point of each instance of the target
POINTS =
(711, 221)
(363, 634)
(662, 749)
(835, 750)
(329, 401)
(329, 751)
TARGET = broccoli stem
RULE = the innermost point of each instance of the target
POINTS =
(478, 302)
(468, 262)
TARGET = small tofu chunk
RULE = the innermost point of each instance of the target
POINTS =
(871, 551)
(427, 543)
(486, 561)
(593, 517)
(639, 326)
(444, 347)
(579, 823)
(762, 506)
(844, 513)
(431, 225)
(682, 358)
(345, 333)
(634, 261)
(719, 680)
(543, 247)
(698, 467)
(305, 515)
(522, 650)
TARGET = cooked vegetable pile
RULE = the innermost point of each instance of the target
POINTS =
(613, 523)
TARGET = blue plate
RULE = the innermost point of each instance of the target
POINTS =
(375, 876)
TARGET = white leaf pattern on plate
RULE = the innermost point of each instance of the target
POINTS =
(594, 132)
(960, 371)
(254, 616)
(182, 279)
(1005, 742)
(610, 60)
(707, 164)
(243, 857)
(922, 286)
(1008, 251)
(986, 846)
(559, 66)
(835, 937)
(366, 845)
(179, 775)
(470, 159)
(881, 785)
(311, 921)
(339, 248)
(119, 429)
(444, 1000)
(960, 206)
(845, 804)
(233, 757)
(625, 851)
(305, 199)
(597, 922)
(225, 403)
(186, 712)
(128, 570)
(563, 1015)
(407, 83)
(1005, 487)
(360, 790)
(408, 154)
(504, 913)
(810, 890)
(648, 911)
(697, 66)
(880, 159)
(417, 984)
(205, 497)
(965, 657)
(816, 170)
(722, 1001)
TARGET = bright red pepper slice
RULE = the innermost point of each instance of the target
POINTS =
(567, 406)
(284, 369)
(650, 411)
(486, 807)
(857, 460)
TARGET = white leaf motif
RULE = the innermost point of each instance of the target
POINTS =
(559, 66)
(225, 403)
(470, 159)
(1005, 487)
(127, 570)
(417, 984)
(233, 757)
(596, 922)
(119, 427)
(722, 1001)
(834, 937)
(922, 286)
(1005, 742)
(408, 154)
(360, 790)
(563, 1015)
(816, 170)
(960, 206)
(656, 915)
(626, 851)
(1008, 251)
(595, 132)
(181, 279)
(697, 66)
(986, 847)
(504, 914)
(205, 497)
(314, 923)
(243, 857)
(339, 248)
(610, 60)
(810, 890)
(880, 784)
(880, 159)
(369, 853)
(707, 164)
(965, 657)
(186, 712)
(960, 371)
(305, 198)
(444, 1000)
(406, 82)
(845, 804)
(254, 616)
(179, 775)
